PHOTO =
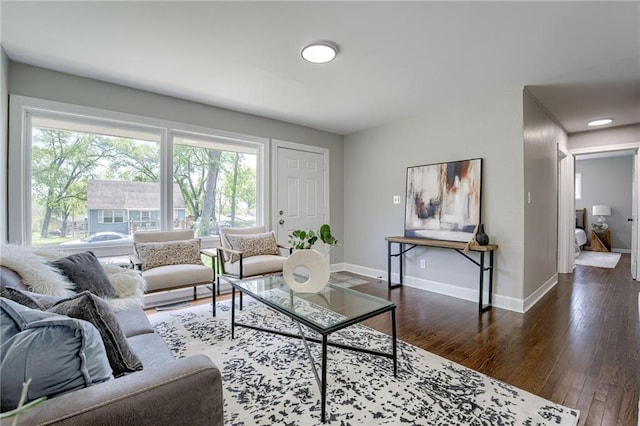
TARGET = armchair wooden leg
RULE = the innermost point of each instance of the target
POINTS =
(218, 285)
(195, 293)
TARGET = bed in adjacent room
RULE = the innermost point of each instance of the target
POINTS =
(580, 230)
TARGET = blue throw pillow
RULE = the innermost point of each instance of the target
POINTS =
(58, 353)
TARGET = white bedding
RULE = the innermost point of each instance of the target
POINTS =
(580, 239)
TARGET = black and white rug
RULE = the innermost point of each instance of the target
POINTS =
(268, 379)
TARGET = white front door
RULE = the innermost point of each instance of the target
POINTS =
(301, 193)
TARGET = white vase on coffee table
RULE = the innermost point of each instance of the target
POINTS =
(316, 266)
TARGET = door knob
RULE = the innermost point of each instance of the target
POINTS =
(281, 222)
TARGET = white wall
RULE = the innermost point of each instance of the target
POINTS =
(610, 136)
(4, 126)
(608, 181)
(46, 84)
(376, 162)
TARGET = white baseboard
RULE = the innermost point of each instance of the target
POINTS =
(539, 293)
(499, 301)
(619, 250)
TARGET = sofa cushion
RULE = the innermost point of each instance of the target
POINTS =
(91, 308)
(87, 273)
(153, 255)
(253, 244)
(151, 349)
(133, 321)
(59, 354)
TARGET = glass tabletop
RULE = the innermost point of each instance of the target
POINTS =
(331, 307)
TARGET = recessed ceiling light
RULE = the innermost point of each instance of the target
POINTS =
(600, 122)
(320, 53)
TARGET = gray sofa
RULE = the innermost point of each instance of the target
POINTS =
(185, 391)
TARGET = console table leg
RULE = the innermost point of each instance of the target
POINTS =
(389, 285)
(401, 261)
(490, 278)
(481, 281)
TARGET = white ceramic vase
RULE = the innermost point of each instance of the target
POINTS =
(316, 266)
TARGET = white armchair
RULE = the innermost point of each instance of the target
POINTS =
(249, 252)
(170, 260)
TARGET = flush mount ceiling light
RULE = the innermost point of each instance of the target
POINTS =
(320, 52)
(600, 122)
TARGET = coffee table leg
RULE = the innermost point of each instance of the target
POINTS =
(233, 310)
(323, 385)
(395, 343)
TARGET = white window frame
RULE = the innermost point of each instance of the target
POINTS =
(578, 186)
(21, 111)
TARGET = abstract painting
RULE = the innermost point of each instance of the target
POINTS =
(443, 200)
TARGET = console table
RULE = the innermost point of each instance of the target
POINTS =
(403, 242)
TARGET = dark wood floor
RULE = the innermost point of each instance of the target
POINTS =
(579, 346)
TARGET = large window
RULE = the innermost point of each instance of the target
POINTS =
(217, 183)
(88, 177)
(84, 182)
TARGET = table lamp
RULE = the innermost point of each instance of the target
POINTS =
(601, 211)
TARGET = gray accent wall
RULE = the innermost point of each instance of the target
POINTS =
(542, 135)
(4, 144)
(608, 181)
(41, 83)
(483, 126)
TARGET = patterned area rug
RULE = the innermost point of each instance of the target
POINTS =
(268, 379)
(598, 259)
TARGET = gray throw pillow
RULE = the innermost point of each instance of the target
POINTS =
(89, 307)
(59, 354)
(21, 298)
(30, 299)
(85, 270)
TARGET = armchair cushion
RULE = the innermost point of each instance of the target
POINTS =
(175, 276)
(253, 244)
(155, 254)
(257, 265)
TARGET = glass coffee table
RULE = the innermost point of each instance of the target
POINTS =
(325, 312)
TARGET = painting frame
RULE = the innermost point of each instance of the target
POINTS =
(444, 200)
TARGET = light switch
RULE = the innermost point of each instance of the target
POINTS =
(396, 199)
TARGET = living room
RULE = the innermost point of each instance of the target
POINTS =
(475, 115)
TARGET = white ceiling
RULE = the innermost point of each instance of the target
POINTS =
(396, 60)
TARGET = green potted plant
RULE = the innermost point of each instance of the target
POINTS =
(302, 240)
(306, 258)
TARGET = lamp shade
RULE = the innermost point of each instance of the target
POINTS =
(601, 210)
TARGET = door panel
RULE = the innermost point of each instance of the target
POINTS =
(300, 191)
